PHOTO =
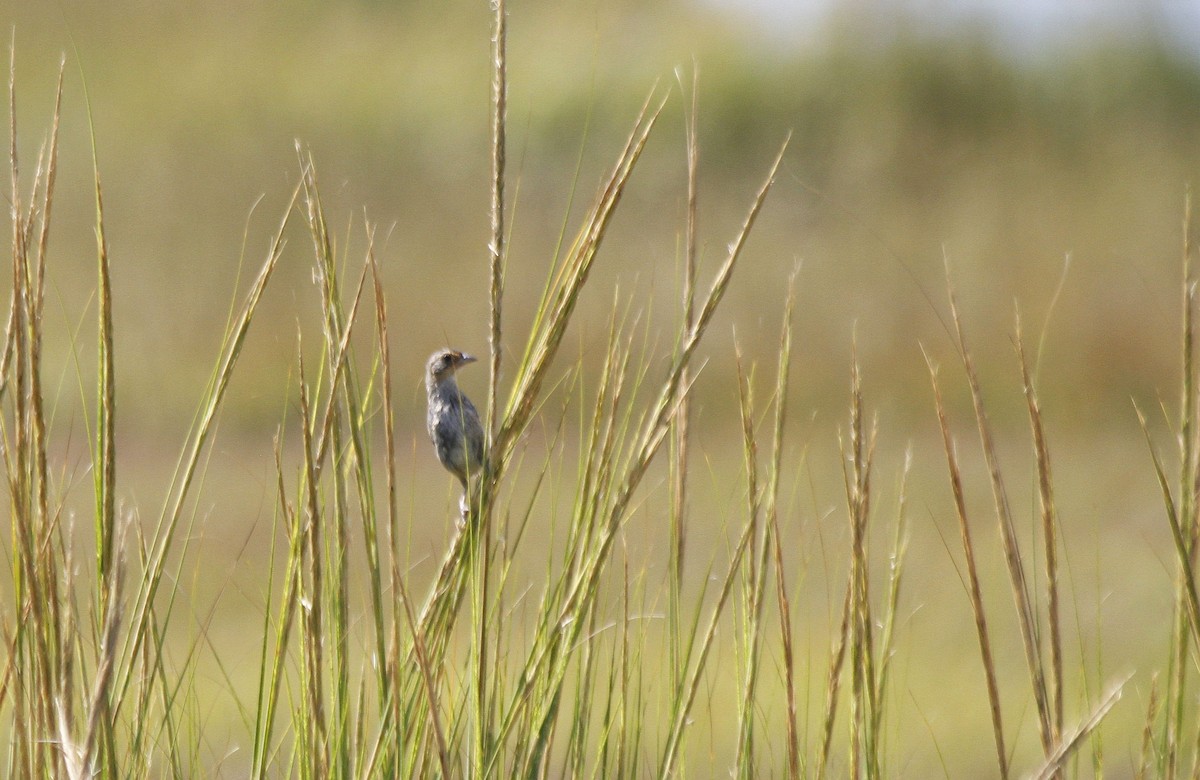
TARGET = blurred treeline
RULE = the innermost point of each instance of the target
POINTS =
(911, 145)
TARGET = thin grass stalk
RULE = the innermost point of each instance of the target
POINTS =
(14, 684)
(12, 331)
(51, 169)
(427, 676)
(318, 755)
(41, 477)
(56, 564)
(105, 453)
(609, 718)
(1146, 754)
(496, 249)
(496, 253)
(79, 755)
(679, 461)
(481, 568)
(397, 581)
(548, 689)
(1023, 601)
(1187, 573)
(70, 656)
(269, 686)
(35, 636)
(342, 416)
(1049, 516)
(337, 361)
(99, 710)
(610, 751)
(755, 576)
(37, 572)
(1177, 705)
(16, 327)
(769, 545)
(574, 761)
(851, 463)
(895, 577)
(833, 677)
(357, 744)
(682, 709)
(1190, 446)
(16, 452)
(623, 728)
(974, 591)
(366, 490)
(856, 466)
(155, 682)
(142, 665)
(1055, 762)
(106, 457)
(596, 458)
(605, 429)
(795, 766)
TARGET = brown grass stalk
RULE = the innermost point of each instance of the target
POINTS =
(973, 588)
(398, 586)
(496, 252)
(1023, 601)
(1049, 517)
(41, 641)
(499, 105)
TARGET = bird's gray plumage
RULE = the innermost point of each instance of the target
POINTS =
(452, 420)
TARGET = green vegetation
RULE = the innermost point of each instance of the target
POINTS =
(692, 550)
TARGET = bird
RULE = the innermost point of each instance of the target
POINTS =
(452, 419)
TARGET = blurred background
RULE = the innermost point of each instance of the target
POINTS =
(1041, 150)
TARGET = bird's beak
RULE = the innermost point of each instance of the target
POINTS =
(467, 359)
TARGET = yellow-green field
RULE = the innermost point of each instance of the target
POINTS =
(1050, 185)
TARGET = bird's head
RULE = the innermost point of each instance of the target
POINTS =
(443, 363)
